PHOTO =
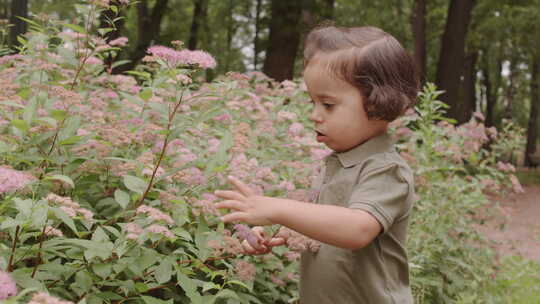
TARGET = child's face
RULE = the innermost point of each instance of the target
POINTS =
(340, 120)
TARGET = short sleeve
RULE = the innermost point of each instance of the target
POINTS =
(383, 192)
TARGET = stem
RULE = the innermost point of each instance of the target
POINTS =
(41, 237)
(10, 264)
(163, 149)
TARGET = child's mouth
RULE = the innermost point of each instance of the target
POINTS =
(320, 136)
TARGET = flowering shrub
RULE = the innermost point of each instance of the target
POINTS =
(107, 180)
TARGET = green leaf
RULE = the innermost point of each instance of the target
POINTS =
(59, 213)
(146, 94)
(163, 272)
(83, 280)
(62, 178)
(99, 235)
(189, 286)
(152, 300)
(24, 93)
(102, 270)
(21, 125)
(76, 28)
(59, 115)
(122, 198)
(70, 140)
(30, 110)
(135, 184)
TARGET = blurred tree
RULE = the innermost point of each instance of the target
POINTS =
(532, 125)
(199, 17)
(284, 39)
(418, 21)
(452, 54)
(148, 30)
(19, 8)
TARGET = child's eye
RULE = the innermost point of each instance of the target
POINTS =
(328, 105)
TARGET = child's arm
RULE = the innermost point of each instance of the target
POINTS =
(337, 226)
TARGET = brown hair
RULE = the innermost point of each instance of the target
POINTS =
(371, 60)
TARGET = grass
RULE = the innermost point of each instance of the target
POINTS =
(518, 281)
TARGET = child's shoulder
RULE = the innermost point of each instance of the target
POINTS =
(387, 162)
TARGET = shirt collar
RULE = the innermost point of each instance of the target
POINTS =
(356, 155)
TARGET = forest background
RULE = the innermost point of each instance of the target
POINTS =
(483, 53)
(108, 172)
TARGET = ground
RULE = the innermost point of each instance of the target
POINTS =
(514, 227)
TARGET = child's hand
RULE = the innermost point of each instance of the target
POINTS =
(246, 206)
(264, 245)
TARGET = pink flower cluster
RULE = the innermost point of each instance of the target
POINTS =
(51, 231)
(120, 41)
(176, 58)
(134, 230)
(13, 180)
(44, 298)
(245, 271)
(154, 214)
(70, 207)
(243, 232)
(8, 288)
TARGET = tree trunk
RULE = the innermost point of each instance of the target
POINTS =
(230, 33)
(491, 98)
(198, 12)
(452, 53)
(19, 8)
(468, 104)
(419, 34)
(107, 20)
(4, 9)
(283, 40)
(327, 10)
(148, 29)
(256, 45)
(532, 127)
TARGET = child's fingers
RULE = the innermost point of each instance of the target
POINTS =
(259, 232)
(234, 217)
(227, 194)
(240, 186)
(230, 204)
(252, 250)
(276, 242)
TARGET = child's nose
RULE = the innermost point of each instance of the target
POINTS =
(315, 115)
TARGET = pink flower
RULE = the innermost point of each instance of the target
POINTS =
(155, 214)
(51, 231)
(213, 145)
(13, 180)
(404, 132)
(243, 232)
(133, 230)
(516, 185)
(43, 298)
(8, 288)
(158, 229)
(479, 116)
(225, 117)
(295, 129)
(318, 154)
(245, 271)
(184, 57)
(120, 41)
(8, 58)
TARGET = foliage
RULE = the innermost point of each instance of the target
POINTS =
(117, 202)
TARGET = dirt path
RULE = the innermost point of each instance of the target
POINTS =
(519, 218)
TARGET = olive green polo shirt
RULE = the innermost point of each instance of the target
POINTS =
(374, 178)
